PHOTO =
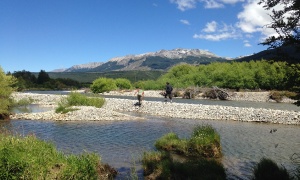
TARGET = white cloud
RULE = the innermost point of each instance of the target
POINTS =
(184, 4)
(215, 32)
(210, 4)
(247, 44)
(254, 18)
(215, 37)
(183, 21)
(231, 1)
(210, 27)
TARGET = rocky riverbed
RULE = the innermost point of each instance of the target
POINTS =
(118, 109)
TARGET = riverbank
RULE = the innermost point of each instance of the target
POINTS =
(117, 109)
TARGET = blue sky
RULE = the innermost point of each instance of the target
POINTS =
(51, 34)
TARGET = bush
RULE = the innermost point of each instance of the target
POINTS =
(204, 143)
(101, 85)
(266, 169)
(30, 158)
(171, 142)
(6, 88)
(123, 83)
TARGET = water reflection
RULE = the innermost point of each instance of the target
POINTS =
(122, 143)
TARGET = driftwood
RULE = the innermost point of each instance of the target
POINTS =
(220, 93)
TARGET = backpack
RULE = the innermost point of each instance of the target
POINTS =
(169, 88)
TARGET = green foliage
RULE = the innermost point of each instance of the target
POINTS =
(89, 77)
(6, 88)
(101, 85)
(204, 142)
(30, 158)
(171, 142)
(234, 75)
(28, 80)
(22, 102)
(266, 169)
(288, 17)
(77, 99)
(43, 77)
(194, 160)
(123, 83)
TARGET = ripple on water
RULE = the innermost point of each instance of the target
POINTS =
(122, 143)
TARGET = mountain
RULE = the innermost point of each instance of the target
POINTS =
(83, 67)
(160, 60)
(289, 54)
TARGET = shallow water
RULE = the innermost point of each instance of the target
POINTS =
(122, 143)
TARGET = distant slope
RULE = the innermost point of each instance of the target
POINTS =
(160, 60)
(89, 77)
(288, 54)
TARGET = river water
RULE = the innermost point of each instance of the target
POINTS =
(121, 143)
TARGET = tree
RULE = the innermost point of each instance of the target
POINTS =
(285, 22)
(43, 77)
(6, 83)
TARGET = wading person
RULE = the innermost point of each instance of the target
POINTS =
(169, 90)
(140, 95)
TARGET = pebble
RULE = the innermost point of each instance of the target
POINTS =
(117, 109)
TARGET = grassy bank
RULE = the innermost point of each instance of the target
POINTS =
(31, 158)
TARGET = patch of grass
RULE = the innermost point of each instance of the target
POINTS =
(204, 142)
(30, 158)
(77, 99)
(266, 169)
(171, 142)
(23, 102)
(193, 158)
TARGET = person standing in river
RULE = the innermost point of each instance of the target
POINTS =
(140, 95)
(168, 93)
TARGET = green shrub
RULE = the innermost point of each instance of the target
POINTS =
(266, 169)
(204, 142)
(101, 85)
(23, 102)
(30, 158)
(123, 83)
(171, 142)
(6, 88)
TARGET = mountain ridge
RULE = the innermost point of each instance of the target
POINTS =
(159, 60)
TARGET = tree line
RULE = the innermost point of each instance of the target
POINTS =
(27, 80)
(253, 75)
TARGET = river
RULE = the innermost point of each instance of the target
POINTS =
(122, 143)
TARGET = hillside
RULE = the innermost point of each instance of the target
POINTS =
(289, 54)
(89, 77)
(161, 60)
